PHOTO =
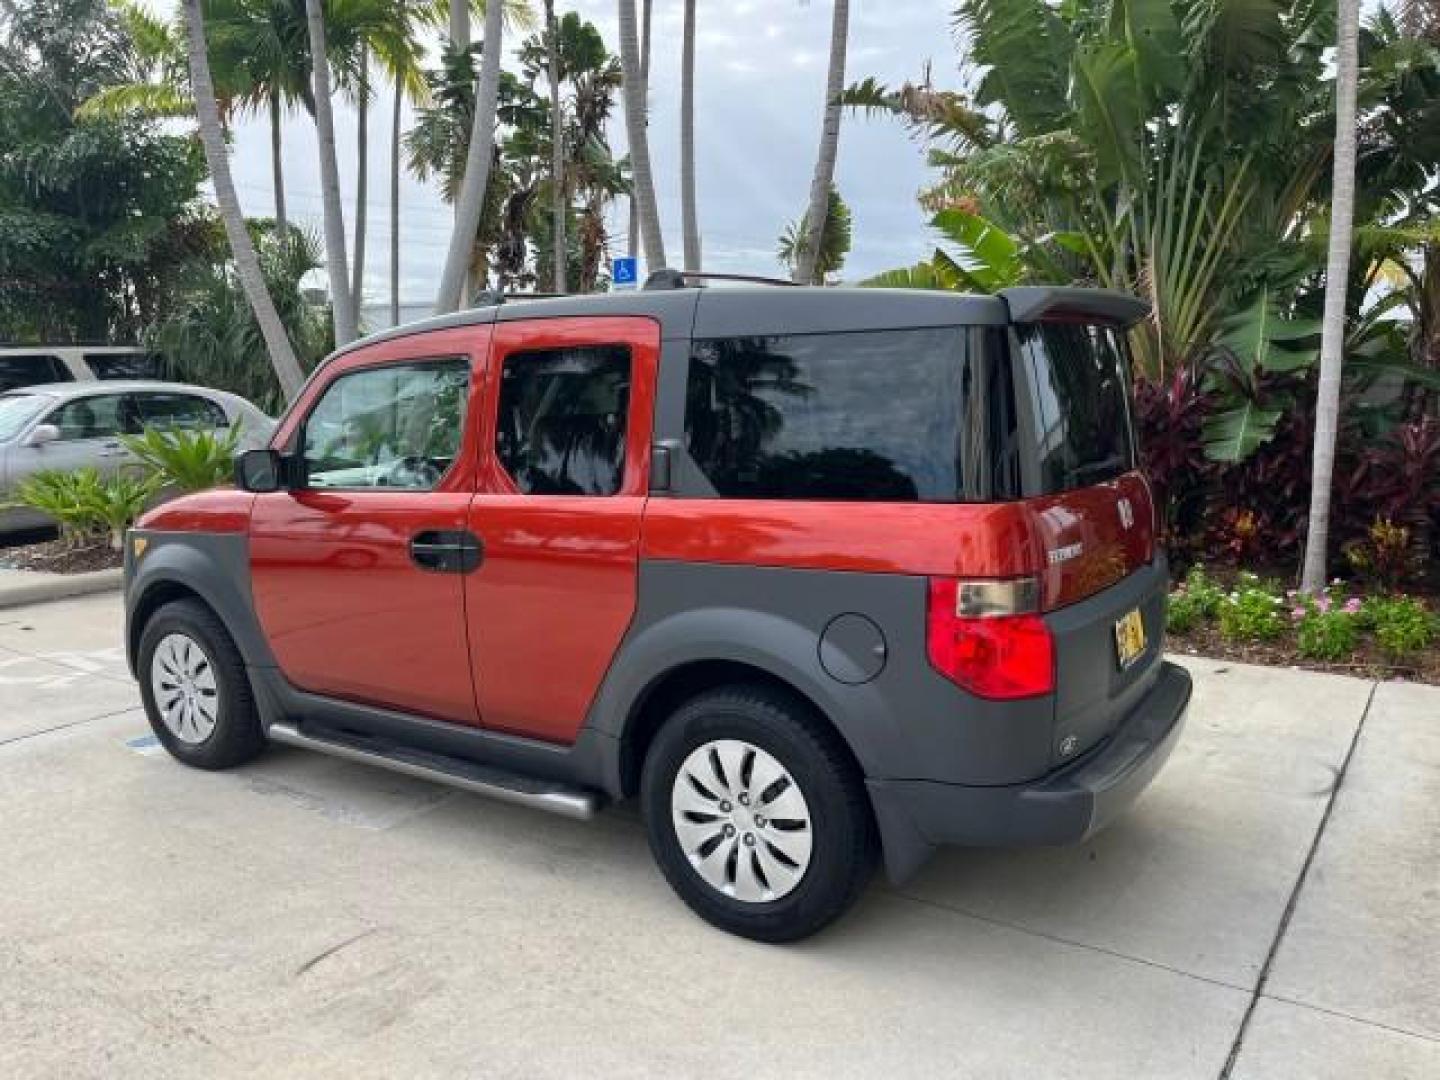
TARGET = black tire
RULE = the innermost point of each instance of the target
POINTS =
(237, 736)
(843, 844)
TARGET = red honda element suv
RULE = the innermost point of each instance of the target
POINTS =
(817, 575)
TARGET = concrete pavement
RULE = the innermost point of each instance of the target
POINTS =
(308, 917)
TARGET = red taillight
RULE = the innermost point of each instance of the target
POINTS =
(999, 654)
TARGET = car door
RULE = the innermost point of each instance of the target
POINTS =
(357, 573)
(90, 428)
(563, 483)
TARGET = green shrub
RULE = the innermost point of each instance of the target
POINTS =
(1328, 635)
(86, 504)
(188, 460)
(1400, 624)
(1194, 600)
(1251, 613)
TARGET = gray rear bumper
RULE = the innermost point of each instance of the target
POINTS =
(1061, 808)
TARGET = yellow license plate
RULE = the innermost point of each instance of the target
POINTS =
(1129, 638)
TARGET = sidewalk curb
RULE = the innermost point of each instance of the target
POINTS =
(50, 587)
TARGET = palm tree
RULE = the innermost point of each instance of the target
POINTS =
(557, 148)
(362, 180)
(834, 239)
(689, 217)
(824, 176)
(336, 264)
(247, 264)
(645, 8)
(635, 122)
(395, 141)
(1337, 271)
(471, 201)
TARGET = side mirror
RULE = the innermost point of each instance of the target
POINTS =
(43, 433)
(260, 471)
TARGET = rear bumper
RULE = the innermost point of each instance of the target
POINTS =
(1062, 807)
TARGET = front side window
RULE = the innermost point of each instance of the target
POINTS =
(103, 416)
(397, 426)
(561, 427)
(184, 412)
(1079, 402)
(32, 370)
(920, 415)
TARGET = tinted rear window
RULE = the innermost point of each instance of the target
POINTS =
(125, 366)
(890, 416)
(1078, 399)
(17, 371)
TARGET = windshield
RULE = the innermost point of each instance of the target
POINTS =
(1077, 377)
(16, 411)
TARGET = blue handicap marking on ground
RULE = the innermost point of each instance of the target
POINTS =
(144, 744)
(624, 272)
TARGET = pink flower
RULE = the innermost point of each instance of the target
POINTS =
(1323, 603)
(1352, 606)
(1297, 613)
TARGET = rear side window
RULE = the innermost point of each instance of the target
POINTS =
(182, 411)
(124, 366)
(101, 416)
(889, 416)
(561, 424)
(1076, 381)
(33, 370)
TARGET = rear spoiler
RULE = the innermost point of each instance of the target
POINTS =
(1036, 303)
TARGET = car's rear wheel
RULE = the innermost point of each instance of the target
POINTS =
(195, 689)
(756, 814)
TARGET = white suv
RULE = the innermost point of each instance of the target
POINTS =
(35, 365)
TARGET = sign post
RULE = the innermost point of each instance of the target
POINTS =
(625, 273)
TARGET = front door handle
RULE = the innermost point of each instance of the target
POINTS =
(443, 551)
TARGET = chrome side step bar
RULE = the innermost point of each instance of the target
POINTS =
(508, 787)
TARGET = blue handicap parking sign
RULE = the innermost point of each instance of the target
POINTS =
(624, 272)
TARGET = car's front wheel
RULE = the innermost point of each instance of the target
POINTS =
(195, 689)
(756, 814)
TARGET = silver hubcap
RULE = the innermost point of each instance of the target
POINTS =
(742, 821)
(184, 685)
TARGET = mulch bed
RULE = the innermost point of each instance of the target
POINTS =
(1368, 662)
(62, 557)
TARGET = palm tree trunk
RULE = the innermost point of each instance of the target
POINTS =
(459, 25)
(689, 216)
(557, 148)
(634, 232)
(336, 265)
(395, 204)
(829, 145)
(247, 265)
(1337, 271)
(277, 167)
(471, 202)
(635, 122)
(362, 182)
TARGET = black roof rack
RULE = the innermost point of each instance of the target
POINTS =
(669, 278)
(496, 297)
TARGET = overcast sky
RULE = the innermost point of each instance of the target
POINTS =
(760, 70)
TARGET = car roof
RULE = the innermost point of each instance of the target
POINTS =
(90, 388)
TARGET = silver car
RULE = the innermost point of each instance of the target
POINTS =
(66, 426)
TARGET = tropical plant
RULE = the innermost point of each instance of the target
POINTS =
(1337, 272)
(805, 269)
(1178, 151)
(835, 241)
(247, 263)
(186, 460)
(94, 211)
(470, 203)
(689, 213)
(88, 504)
(636, 119)
(209, 330)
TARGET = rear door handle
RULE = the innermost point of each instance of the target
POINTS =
(443, 551)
